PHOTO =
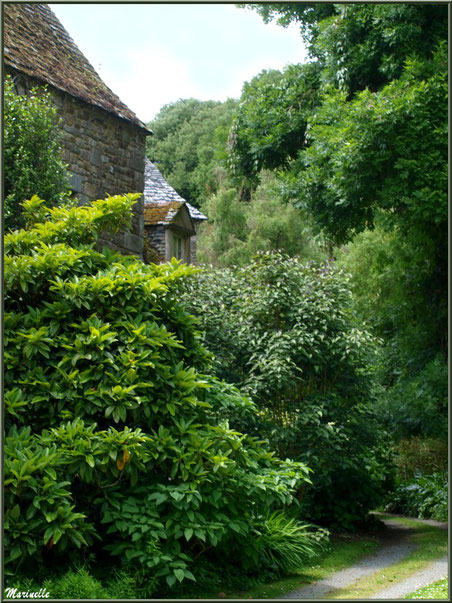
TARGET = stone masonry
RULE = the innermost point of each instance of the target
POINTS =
(104, 155)
(103, 141)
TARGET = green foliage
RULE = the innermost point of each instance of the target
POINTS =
(187, 145)
(277, 544)
(222, 239)
(76, 584)
(236, 230)
(365, 46)
(32, 154)
(79, 582)
(378, 134)
(286, 315)
(115, 429)
(269, 127)
(39, 510)
(285, 542)
(362, 45)
(398, 289)
(358, 48)
(284, 333)
(421, 455)
(365, 163)
(426, 497)
(153, 529)
(417, 404)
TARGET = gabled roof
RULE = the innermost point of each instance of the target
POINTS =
(161, 213)
(170, 213)
(36, 44)
(158, 191)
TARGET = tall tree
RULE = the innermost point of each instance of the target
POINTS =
(269, 127)
(362, 45)
(188, 142)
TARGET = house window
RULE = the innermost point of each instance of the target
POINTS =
(178, 246)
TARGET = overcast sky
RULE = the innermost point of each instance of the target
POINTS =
(152, 54)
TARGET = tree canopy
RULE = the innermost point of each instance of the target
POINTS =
(374, 146)
(269, 126)
(362, 45)
(187, 144)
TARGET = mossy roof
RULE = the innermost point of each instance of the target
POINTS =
(161, 213)
(172, 214)
(36, 44)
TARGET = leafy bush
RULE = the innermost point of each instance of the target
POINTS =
(426, 497)
(417, 455)
(237, 230)
(285, 334)
(39, 509)
(116, 435)
(416, 404)
(33, 162)
(78, 584)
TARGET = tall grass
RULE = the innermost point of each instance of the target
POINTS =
(288, 543)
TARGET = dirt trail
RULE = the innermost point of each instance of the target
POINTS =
(396, 546)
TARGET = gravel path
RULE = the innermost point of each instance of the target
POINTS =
(436, 571)
(397, 547)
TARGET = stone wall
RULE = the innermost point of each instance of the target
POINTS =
(193, 241)
(105, 155)
(155, 242)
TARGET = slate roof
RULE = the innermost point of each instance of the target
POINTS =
(158, 191)
(36, 43)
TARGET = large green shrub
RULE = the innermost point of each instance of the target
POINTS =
(115, 433)
(32, 153)
(285, 333)
(425, 496)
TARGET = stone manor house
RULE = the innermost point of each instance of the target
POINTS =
(103, 140)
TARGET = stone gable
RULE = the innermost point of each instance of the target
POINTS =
(36, 44)
(157, 192)
(103, 141)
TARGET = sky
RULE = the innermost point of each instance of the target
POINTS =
(151, 54)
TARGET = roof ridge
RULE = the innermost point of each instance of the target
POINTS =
(37, 44)
(158, 190)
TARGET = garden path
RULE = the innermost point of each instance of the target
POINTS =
(397, 545)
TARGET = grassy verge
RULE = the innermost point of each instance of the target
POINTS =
(437, 590)
(344, 551)
(431, 544)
